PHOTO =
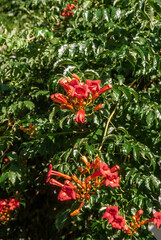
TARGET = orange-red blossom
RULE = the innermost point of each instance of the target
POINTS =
(136, 223)
(91, 178)
(79, 96)
(6, 206)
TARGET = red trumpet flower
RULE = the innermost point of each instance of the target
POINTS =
(102, 90)
(119, 222)
(59, 98)
(157, 219)
(79, 95)
(98, 107)
(105, 88)
(67, 193)
(112, 180)
(80, 91)
(55, 182)
(94, 86)
(80, 117)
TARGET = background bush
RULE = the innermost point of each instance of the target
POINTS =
(115, 41)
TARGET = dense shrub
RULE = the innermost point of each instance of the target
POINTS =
(115, 41)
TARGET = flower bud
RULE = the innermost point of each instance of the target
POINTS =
(75, 213)
(84, 159)
(75, 76)
(98, 107)
(134, 218)
(139, 213)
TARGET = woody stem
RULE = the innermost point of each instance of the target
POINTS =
(109, 119)
(107, 124)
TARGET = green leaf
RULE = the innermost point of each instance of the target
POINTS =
(135, 94)
(12, 156)
(62, 121)
(52, 114)
(29, 104)
(150, 118)
(147, 183)
(152, 159)
(136, 152)
(155, 181)
(43, 93)
(121, 79)
(12, 176)
(90, 149)
(3, 177)
(86, 4)
(91, 73)
(110, 136)
(126, 148)
(40, 32)
(126, 93)
(116, 94)
(131, 172)
(122, 129)
(61, 219)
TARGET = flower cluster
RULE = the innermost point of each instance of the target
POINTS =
(79, 96)
(67, 12)
(117, 221)
(136, 218)
(114, 218)
(6, 160)
(98, 174)
(6, 206)
(30, 129)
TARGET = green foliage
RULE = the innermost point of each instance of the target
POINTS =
(115, 41)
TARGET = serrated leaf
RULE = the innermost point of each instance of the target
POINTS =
(68, 154)
(133, 178)
(147, 183)
(152, 159)
(131, 172)
(155, 181)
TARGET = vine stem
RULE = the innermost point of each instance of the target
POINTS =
(107, 124)
(109, 119)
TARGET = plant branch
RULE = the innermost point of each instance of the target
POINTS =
(109, 119)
